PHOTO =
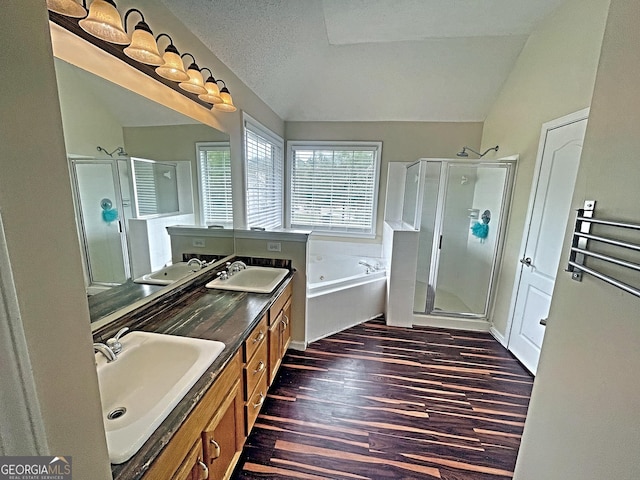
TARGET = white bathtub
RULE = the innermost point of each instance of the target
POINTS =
(341, 293)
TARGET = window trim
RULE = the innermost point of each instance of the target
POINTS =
(198, 146)
(376, 146)
(248, 122)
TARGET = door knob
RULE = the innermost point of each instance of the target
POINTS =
(526, 261)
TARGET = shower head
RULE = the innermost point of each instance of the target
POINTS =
(120, 151)
(463, 152)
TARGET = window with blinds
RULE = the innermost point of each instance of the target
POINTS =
(145, 184)
(334, 187)
(214, 172)
(264, 166)
(155, 187)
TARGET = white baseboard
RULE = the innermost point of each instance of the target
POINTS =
(453, 323)
(300, 346)
(498, 336)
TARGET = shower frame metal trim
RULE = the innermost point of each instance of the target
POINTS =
(511, 164)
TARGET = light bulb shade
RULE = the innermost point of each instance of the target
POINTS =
(173, 68)
(213, 92)
(195, 84)
(227, 102)
(104, 22)
(143, 47)
(68, 8)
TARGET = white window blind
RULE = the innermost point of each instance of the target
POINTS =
(146, 195)
(265, 177)
(214, 170)
(334, 188)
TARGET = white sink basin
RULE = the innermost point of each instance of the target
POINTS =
(150, 376)
(169, 274)
(252, 279)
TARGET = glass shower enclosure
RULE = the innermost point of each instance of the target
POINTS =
(102, 200)
(460, 208)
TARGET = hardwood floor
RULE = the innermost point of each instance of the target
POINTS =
(377, 402)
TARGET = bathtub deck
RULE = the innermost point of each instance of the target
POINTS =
(378, 402)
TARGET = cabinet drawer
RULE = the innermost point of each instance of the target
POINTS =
(256, 338)
(255, 369)
(254, 404)
(279, 303)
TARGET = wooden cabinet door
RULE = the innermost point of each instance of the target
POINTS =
(220, 437)
(275, 333)
(192, 468)
(285, 332)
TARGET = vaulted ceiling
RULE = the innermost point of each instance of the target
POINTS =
(368, 60)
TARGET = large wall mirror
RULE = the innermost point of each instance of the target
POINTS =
(141, 179)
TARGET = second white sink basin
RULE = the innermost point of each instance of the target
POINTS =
(252, 279)
(168, 274)
(140, 388)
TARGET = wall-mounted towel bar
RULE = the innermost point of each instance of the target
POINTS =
(580, 248)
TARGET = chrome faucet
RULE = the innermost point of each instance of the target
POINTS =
(370, 267)
(236, 266)
(114, 342)
(194, 261)
(106, 351)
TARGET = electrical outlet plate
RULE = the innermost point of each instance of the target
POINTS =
(274, 247)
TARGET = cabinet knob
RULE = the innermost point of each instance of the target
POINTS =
(204, 470)
(260, 368)
(259, 337)
(260, 402)
(216, 449)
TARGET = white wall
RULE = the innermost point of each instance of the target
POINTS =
(583, 421)
(87, 123)
(37, 209)
(553, 76)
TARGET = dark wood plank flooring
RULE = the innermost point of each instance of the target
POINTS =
(377, 402)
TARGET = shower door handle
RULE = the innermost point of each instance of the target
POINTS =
(526, 261)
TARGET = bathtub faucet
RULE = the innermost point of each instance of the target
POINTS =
(370, 268)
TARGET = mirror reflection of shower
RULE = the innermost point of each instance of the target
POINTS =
(460, 208)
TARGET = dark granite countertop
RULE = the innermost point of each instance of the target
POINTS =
(194, 311)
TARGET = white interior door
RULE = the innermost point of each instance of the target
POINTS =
(549, 210)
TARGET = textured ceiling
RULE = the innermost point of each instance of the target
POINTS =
(368, 60)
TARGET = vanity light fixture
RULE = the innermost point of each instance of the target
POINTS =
(103, 27)
(227, 102)
(213, 91)
(143, 47)
(68, 8)
(195, 84)
(104, 22)
(173, 68)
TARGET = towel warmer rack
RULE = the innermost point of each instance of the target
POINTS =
(580, 252)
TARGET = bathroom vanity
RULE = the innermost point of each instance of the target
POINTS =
(203, 436)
